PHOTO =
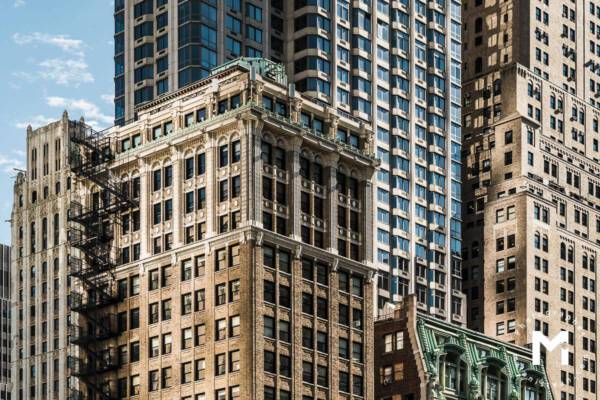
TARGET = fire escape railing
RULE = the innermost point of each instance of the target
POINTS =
(92, 260)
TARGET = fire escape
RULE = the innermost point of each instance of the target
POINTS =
(93, 359)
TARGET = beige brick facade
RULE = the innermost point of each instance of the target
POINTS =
(261, 287)
(531, 219)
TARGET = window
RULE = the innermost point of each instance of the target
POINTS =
(357, 286)
(186, 372)
(167, 343)
(221, 329)
(307, 337)
(186, 270)
(186, 303)
(234, 290)
(269, 361)
(284, 331)
(199, 300)
(134, 386)
(285, 365)
(154, 348)
(307, 372)
(234, 326)
(269, 291)
(220, 294)
(307, 303)
(234, 361)
(269, 327)
(153, 380)
(166, 309)
(153, 313)
(166, 377)
(220, 366)
(200, 335)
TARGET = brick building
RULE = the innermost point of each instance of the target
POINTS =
(423, 358)
(219, 248)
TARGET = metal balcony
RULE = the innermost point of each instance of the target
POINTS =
(97, 330)
(83, 270)
(96, 364)
(84, 304)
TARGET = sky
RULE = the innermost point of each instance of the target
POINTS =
(56, 56)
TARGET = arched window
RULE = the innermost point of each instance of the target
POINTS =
(32, 237)
(44, 233)
(531, 386)
(56, 229)
(584, 261)
(545, 243)
(455, 373)
(563, 251)
(570, 254)
(537, 240)
(495, 384)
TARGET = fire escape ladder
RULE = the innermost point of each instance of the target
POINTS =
(91, 263)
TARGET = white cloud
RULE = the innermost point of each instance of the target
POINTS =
(63, 42)
(108, 98)
(35, 122)
(91, 112)
(19, 3)
(8, 164)
(65, 72)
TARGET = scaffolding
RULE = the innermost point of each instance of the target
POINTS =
(92, 260)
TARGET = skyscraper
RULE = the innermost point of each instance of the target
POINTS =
(394, 67)
(217, 248)
(531, 220)
(5, 320)
(162, 46)
(39, 254)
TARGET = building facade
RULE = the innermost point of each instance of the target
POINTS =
(423, 358)
(162, 46)
(394, 66)
(532, 223)
(40, 284)
(5, 320)
(530, 137)
(219, 248)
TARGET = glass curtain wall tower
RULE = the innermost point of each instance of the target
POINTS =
(393, 66)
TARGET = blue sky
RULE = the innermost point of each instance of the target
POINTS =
(57, 55)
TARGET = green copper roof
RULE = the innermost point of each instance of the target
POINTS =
(262, 66)
(476, 352)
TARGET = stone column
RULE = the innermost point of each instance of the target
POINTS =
(331, 214)
(366, 208)
(295, 189)
(296, 110)
(333, 121)
(255, 170)
(178, 212)
(211, 183)
(145, 212)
